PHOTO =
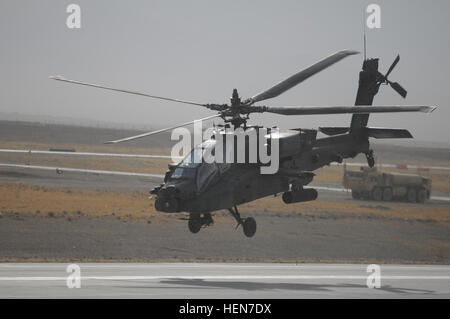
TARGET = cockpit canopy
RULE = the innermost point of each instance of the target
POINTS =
(195, 166)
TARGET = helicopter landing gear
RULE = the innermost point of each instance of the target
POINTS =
(248, 224)
(370, 159)
(197, 221)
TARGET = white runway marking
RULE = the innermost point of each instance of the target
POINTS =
(87, 154)
(80, 170)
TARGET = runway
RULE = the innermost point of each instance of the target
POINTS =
(222, 280)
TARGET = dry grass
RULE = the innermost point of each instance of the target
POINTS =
(27, 198)
(53, 202)
(71, 203)
(404, 211)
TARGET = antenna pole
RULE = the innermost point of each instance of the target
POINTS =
(364, 44)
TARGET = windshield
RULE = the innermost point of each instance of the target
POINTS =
(206, 173)
(184, 173)
(193, 158)
(194, 167)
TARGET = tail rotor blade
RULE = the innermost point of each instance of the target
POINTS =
(398, 88)
(392, 66)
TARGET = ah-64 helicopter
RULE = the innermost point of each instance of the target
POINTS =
(200, 188)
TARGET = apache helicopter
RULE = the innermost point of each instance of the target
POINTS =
(202, 188)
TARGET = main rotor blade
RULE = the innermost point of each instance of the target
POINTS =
(295, 79)
(310, 110)
(159, 131)
(61, 78)
(392, 65)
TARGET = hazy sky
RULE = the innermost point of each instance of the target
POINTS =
(201, 50)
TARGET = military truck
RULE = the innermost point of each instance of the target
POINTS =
(369, 183)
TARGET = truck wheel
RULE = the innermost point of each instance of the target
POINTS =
(377, 194)
(387, 194)
(421, 195)
(355, 194)
(411, 195)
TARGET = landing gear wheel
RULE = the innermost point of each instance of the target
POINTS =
(194, 223)
(249, 227)
(248, 224)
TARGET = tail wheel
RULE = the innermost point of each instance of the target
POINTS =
(421, 195)
(387, 194)
(411, 195)
(249, 227)
(194, 223)
(377, 194)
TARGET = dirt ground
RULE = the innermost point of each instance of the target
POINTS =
(95, 218)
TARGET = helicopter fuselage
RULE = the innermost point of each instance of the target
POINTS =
(205, 188)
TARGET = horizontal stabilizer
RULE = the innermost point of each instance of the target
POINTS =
(333, 130)
(387, 133)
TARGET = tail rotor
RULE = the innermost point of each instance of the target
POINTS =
(395, 85)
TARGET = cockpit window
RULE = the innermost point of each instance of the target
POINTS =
(199, 154)
(195, 166)
(206, 173)
(184, 173)
(193, 158)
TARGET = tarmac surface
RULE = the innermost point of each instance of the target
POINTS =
(222, 280)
